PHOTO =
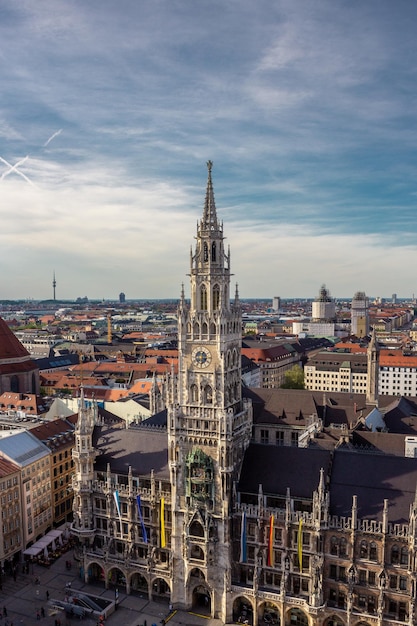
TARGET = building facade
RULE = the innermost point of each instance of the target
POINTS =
(189, 509)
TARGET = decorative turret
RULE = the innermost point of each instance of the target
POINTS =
(84, 455)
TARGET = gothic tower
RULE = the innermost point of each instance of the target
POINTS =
(84, 455)
(209, 426)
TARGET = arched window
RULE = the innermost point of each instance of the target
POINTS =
(197, 553)
(213, 251)
(208, 395)
(194, 393)
(196, 529)
(373, 552)
(203, 298)
(404, 556)
(364, 550)
(395, 555)
(334, 546)
(342, 547)
(216, 297)
(205, 252)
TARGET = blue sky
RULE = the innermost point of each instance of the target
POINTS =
(110, 110)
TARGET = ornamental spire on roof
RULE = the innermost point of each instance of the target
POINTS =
(209, 220)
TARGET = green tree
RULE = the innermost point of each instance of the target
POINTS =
(294, 378)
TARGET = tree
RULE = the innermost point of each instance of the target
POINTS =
(294, 378)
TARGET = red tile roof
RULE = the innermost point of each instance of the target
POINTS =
(10, 346)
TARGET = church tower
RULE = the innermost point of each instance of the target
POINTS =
(209, 425)
(372, 370)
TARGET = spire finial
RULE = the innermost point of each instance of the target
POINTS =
(209, 220)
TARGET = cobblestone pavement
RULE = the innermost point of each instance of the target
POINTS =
(23, 599)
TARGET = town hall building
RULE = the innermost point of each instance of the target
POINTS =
(192, 509)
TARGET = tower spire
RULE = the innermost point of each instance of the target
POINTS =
(54, 285)
(209, 220)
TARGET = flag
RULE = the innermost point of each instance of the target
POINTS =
(144, 533)
(243, 558)
(300, 545)
(270, 557)
(117, 501)
(163, 537)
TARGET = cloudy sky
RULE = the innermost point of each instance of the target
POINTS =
(109, 111)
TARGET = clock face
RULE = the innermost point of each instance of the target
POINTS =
(201, 357)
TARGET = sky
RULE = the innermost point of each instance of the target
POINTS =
(110, 110)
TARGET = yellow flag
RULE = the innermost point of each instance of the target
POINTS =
(300, 545)
(163, 537)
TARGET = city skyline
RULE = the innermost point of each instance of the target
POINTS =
(109, 114)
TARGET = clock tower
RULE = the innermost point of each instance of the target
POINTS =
(209, 425)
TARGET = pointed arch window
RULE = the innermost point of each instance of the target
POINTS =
(194, 393)
(208, 395)
(205, 252)
(213, 251)
(216, 297)
(203, 298)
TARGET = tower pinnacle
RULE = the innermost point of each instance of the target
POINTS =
(54, 285)
(209, 220)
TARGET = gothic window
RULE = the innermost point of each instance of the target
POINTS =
(216, 297)
(395, 555)
(203, 298)
(196, 330)
(196, 530)
(194, 393)
(363, 550)
(197, 553)
(213, 251)
(212, 329)
(373, 553)
(205, 329)
(205, 252)
(404, 556)
(208, 395)
(334, 546)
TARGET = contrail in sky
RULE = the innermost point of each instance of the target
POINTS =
(58, 132)
(15, 168)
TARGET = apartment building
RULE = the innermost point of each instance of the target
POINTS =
(11, 528)
(32, 458)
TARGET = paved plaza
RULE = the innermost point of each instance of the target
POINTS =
(23, 599)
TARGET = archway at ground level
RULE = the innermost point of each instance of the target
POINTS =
(138, 584)
(269, 612)
(334, 621)
(242, 611)
(96, 574)
(160, 590)
(297, 617)
(116, 578)
(201, 602)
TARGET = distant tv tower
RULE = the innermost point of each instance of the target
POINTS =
(54, 285)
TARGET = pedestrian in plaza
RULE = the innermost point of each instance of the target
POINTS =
(42, 611)
(47, 594)
(38, 615)
(4, 612)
